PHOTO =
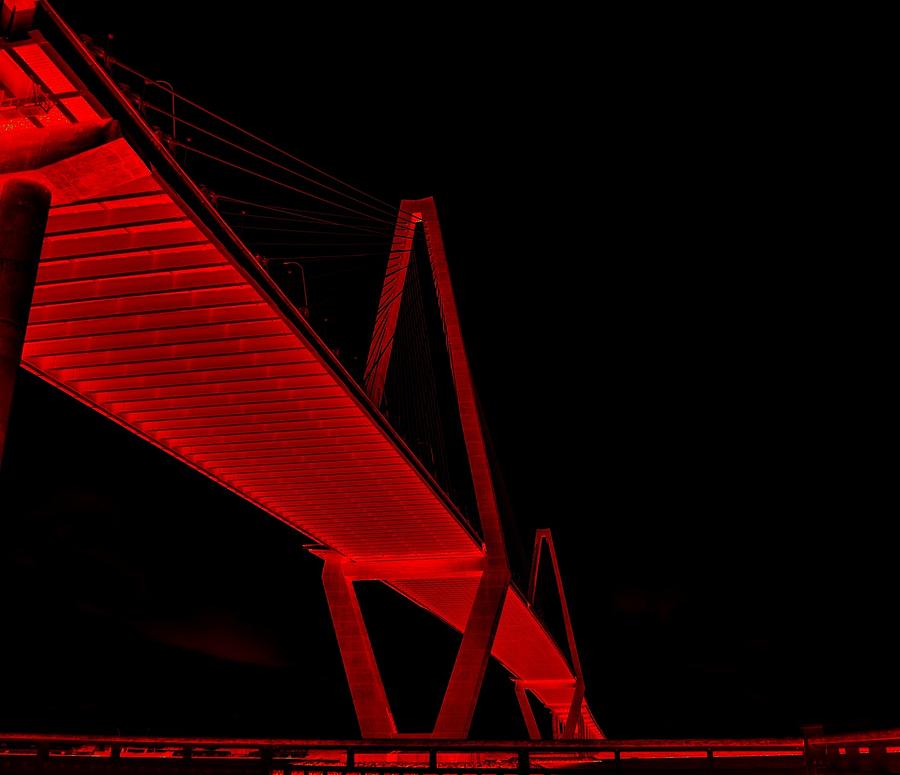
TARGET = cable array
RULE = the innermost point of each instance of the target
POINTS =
(324, 240)
(259, 180)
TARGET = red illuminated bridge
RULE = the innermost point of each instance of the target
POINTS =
(149, 309)
(126, 285)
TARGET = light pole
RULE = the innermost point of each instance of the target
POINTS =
(304, 309)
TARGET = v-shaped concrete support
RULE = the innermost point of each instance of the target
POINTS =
(370, 699)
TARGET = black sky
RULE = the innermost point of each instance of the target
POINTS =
(683, 363)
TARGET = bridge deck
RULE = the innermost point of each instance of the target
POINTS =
(149, 310)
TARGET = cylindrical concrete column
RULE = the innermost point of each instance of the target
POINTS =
(24, 205)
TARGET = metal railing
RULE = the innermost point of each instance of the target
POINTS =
(34, 753)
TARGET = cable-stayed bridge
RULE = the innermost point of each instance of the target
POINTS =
(148, 307)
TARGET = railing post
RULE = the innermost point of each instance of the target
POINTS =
(809, 757)
(265, 760)
(523, 764)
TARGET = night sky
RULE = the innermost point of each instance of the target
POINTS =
(683, 364)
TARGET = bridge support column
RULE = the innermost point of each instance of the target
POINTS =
(458, 707)
(366, 687)
(534, 733)
(24, 205)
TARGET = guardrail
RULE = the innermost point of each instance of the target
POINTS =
(879, 751)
